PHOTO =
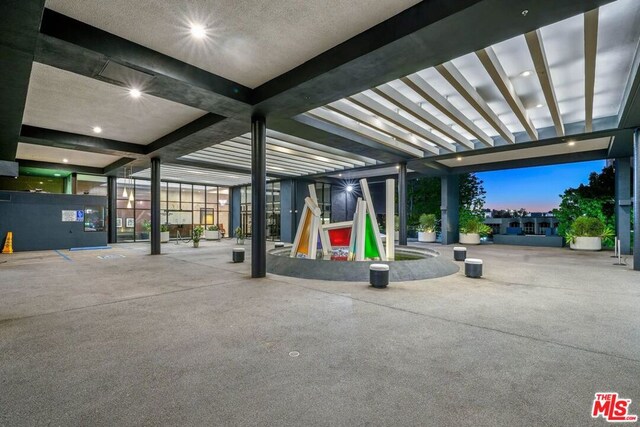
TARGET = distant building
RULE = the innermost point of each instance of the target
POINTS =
(537, 223)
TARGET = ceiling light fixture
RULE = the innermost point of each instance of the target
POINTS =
(524, 12)
(459, 158)
(97, 129)
(526, 73)
(539, 105)
(198, 31)
(135, 93)
(572, 143)
(65, 160)
(56, 174)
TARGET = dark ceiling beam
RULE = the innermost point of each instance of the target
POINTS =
(422, 36)
(60, 166)
(19, 23)
(583, 156)
(629, 115)
(74, 46)
(312, 129)
(114, 168)
(58, 139)
(183, 132)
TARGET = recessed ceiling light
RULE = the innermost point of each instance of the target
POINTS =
(572, 143)
(65, 160)
(198, 31)
(526, 73)
(135, 93)
(524, 12)
(97, 129)
(339, 174)
(398, 167)
(539, 105)
(56, 174)
(41, 183)
(459, 158)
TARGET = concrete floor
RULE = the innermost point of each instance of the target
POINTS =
(187, 338)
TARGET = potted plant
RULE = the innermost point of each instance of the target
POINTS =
(196, 234)
(471, 229)
(164, 233)
(212, 233)
(586, 234)
(146, 226)
(427, 228)
(239, 236)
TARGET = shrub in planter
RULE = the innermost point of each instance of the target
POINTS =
(212, 233)
(427, 228)
(471, 229)
(586, 234)
(164, 233)
(239, 235)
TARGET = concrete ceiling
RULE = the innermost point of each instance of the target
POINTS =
(69, 102)
(57, 155)
(247, 42)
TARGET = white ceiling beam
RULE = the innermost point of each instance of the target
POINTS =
(428, 92)
(309, 153)
(231, 159)
(468, 92)
(346, 108)
(401, 101)
(299, 142)
(375, 107)
(349, 124)
(491, 63)
(539, 57)
(590, 50)
(287, 156)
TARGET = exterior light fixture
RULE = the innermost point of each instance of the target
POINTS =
(397, 166)
(135, 93)
(65, 160)
(459, 158)
(526, 73)
(571, 143)
(97, 129)
(349, 188)
(539, 105)
(525, 12)
(198, 31)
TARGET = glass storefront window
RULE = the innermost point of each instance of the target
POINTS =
(94, 218)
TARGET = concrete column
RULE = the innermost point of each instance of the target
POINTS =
(636, 200)
(155, 206)
(74, 183)
(450, 204)
(112, 208)
(623, 203)
(402, 203)
(258, 197)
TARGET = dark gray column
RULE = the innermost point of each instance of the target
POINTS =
(623, 204)
(74, 183)
(636, 200)
(450, 194)
(258, 196)
(155, 206)
(112, 208)
(402, 203)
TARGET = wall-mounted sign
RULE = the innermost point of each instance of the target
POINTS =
(72, 216)
(118, 222)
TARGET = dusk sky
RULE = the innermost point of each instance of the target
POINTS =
(535, 189)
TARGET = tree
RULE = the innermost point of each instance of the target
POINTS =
(596, 200)
(424, 197)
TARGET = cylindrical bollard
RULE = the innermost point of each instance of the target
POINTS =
(473, 267)
(459, 253)
(379, 275)
(238, 255)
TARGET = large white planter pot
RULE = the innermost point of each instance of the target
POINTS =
(396, 235)
(586, 244)
(425, 236)
(212, 235)
(469, 238)
(164, 236)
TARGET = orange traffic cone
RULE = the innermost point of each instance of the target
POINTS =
(8, 244)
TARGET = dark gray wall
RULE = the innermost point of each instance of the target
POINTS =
(36, 221)
(287, 208)
(235, 211)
